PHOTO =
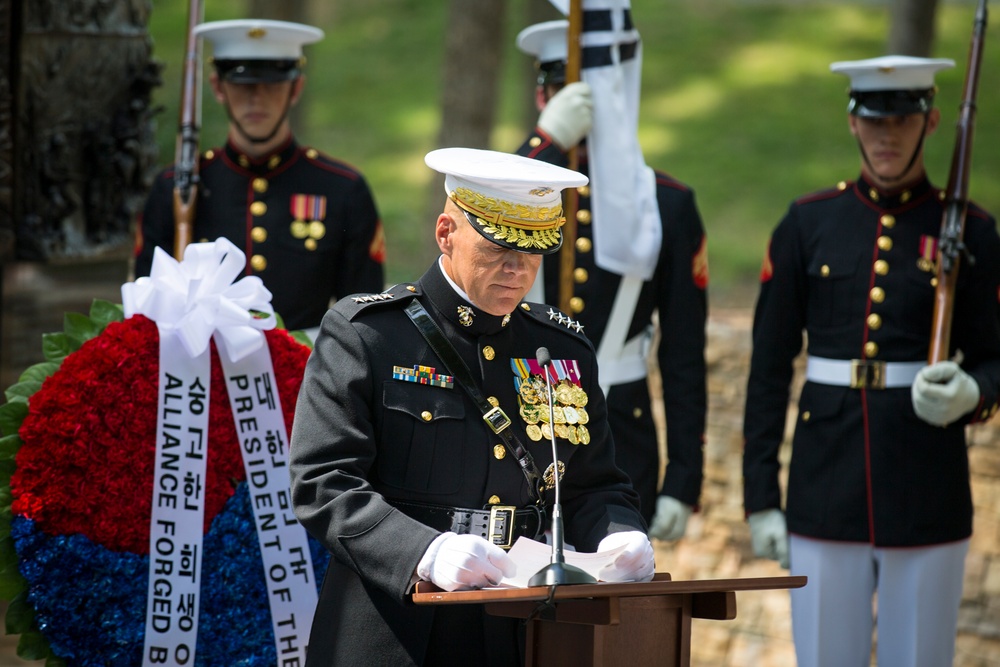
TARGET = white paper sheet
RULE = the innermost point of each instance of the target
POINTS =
(531, 556)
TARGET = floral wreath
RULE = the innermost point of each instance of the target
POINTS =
(76, 477)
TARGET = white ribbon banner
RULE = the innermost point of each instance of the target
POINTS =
(176, 524)
(191, 302)
(284, 544)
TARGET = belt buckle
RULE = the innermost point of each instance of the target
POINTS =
(497, 420)
(867, 374)
(501, 526)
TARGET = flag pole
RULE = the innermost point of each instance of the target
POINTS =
(567, 255)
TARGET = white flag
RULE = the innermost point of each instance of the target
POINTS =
(627, 228)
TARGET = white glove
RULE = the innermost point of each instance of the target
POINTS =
(633, 564)
(943, 392)
(769, 535)
(460, 562)
(568, 115)
(670, 520)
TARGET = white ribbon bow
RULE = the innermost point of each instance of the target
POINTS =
(196, 298)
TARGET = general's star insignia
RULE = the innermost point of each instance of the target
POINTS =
(371, 298)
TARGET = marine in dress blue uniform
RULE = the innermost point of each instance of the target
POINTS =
(395, 470)
(878, 494)
(307, 223)
(676, 294)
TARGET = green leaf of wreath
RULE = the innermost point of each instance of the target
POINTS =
(79, 329)
(33, 646)
(104, 313)
(56, 346)
(11, 416)
(38, 372)
(20, 615)
(9, 444)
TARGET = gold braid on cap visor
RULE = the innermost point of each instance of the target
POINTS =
(517, 224)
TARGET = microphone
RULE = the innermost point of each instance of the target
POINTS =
(557, 572)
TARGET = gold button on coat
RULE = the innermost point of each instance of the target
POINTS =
(499, 451)
(881, 267)
(258, 234)
(824, 270)
(535, 142)
(584, 244)
(583, 190)
(884, 243)
(637, 412)
(583, 216)
(258, 263)
(874, 321)
(273, 162)
(871, 349)
(310, 244)
(580, 274)
(426, 416)
(888, 221)
(806, 415)
(489, 353)
(576, 304)
(258, 208)
(877, 294)
(260, 185)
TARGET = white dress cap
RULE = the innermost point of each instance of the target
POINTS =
(892, 72)
(515, 201)
(545, 41)
(257, 39)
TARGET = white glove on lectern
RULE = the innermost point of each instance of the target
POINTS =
(670, 520)
(455, 562)
(568, 115)
(943, 392)
(769, 535)
(633, 564)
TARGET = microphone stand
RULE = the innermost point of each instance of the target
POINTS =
(557, 572)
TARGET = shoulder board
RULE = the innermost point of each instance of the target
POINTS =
(319, 158)
(396, 296)
(552, 317)
(829, 193)
(665, 179)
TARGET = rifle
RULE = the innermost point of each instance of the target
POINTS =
(567, 255)
(186, 153)
(950, 244)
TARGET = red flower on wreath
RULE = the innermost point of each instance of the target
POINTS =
(86, 465)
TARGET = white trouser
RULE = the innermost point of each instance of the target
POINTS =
(919, 591)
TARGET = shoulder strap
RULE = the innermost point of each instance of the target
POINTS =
(494, 417)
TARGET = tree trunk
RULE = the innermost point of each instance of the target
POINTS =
(911, 27)
(471, 71)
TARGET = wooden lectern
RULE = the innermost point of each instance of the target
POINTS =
(606, 625)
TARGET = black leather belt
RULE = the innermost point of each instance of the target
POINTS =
(501, 524)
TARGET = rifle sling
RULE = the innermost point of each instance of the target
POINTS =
(429, 329)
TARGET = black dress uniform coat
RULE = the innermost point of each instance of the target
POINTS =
(678, 292)
(853, 267)
(306, 222)
(362, 438)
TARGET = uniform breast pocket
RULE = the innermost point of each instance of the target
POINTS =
(833, 293)
(423, 431)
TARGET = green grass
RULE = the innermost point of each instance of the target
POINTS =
(738, 102)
